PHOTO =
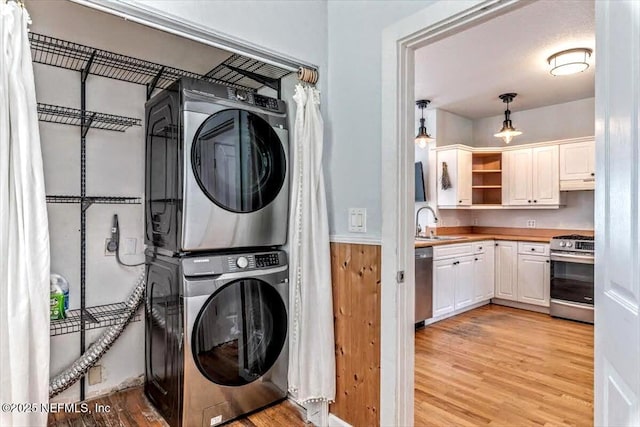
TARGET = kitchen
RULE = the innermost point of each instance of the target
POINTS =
(504, 225)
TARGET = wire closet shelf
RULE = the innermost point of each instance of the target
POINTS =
(74, 56)
(74, 117)
(95, 317)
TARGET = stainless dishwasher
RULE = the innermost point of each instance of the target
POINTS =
(424, 283)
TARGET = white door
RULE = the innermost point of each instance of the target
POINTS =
(506, 273)
(533, 279)
(617, 268)
(464, 282)
(444, 277)
(545, 176)
(577, 160)
(488, 272)
(464, 177)
(519, 177)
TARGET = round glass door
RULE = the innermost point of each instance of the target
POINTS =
(240, 332)
(238, 161)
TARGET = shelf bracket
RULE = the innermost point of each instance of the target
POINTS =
(84, 73)
(267, 81)
(86, 203)
(90, 318)
(86, 123)
(151, 86)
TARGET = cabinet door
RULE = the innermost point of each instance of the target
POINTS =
(577, 160)
(519, 177)
(444, 275)
(483, 275)
(448, 197)
(465, 165)
(546, 179)
(533, 279)
(464, 282)
(506, 270)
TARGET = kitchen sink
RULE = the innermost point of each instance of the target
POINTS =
(439, 238)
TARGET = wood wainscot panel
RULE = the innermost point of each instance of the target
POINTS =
(355, 271)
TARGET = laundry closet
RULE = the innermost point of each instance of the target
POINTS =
(205, 205)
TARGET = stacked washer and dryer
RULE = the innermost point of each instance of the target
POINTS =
(217, 196)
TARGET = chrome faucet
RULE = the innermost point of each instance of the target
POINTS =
(418, 229)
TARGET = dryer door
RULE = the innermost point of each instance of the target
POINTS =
(240, 332)
(238, 161)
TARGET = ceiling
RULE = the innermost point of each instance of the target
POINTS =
(465, 73)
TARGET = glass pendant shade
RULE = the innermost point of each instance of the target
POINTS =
(508, 132)
(423, 138)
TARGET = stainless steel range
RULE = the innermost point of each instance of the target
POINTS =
(572, 278)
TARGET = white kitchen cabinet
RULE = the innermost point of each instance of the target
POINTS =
(532, 177)
(506, 270)
(484, 274)
(459, 165)
(533, 279)
(577, 166)
(464, 282)
(444, 277)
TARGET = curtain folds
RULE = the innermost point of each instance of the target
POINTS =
(311, 339)
(24, 233)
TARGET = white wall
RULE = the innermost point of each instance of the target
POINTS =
(454, 129)
(353, 126)
(569, 120)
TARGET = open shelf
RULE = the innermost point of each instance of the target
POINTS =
(72, 116)
(95, 317)
(487, 171)
(486, 186)
(102, 200)
(237, 68)
(74, 56)
(486, 179)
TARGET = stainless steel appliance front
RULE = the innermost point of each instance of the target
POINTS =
(572, 278)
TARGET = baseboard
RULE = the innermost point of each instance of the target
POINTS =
(455, 312)
(335, 421)
(520, 305)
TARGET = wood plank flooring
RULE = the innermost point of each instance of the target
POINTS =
(130, 408)
(504, 367)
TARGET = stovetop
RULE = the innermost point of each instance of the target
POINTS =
(573, 237)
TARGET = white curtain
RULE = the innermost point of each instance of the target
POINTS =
(24, 233)
(311, 342)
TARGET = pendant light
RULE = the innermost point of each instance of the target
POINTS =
(508, 131)
(423, 138)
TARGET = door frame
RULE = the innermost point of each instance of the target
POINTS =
(399, 42)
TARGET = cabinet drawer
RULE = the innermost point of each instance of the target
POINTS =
(533, 248)
(446, 251)
(481, 247)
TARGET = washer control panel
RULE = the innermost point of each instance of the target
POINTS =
(267, 260)
(243, 262)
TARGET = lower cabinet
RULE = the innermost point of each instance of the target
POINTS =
(520, 276)
(464, 279)
(533, 279)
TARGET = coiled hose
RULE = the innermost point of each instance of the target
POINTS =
(81, 366)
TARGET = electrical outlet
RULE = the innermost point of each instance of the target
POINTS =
(95, 375)
(531, 223)
(107, 252)
(129, 246)
(475, 221)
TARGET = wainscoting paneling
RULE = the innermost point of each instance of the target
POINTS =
(355, 270)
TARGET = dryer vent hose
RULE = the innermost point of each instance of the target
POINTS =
(81, 366)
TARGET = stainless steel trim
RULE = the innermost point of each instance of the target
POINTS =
(580, 259)
(194, 287)
(571, 310)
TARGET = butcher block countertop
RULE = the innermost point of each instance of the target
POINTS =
(475, 234)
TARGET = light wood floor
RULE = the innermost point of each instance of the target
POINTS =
(505, 367)
(130, 408)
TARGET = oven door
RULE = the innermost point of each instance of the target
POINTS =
(572, 278)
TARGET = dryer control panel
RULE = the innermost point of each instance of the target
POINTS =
(210, 265)
(255, 99)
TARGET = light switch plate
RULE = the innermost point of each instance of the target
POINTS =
(357, 220)
(130, 246)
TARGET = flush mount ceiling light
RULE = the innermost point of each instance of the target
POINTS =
(423, 138)
(570, 61)
(508, 131)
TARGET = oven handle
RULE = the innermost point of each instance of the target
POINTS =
(580, 259)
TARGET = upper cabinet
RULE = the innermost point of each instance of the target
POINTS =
(532, 177)
(457, 164)
(577, 166)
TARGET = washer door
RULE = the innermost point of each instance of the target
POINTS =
(240, 332)
(238, 161)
